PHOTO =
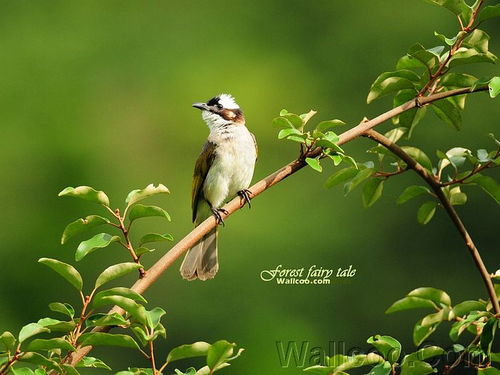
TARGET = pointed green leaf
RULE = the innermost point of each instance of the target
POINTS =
(358, 179)
(419, 156)
(7, 341)
(421, 333)
(438, 296)
(458, 7)
(87, 193)
(56, 343)
(130, 306)
(314, 164)
(113, 319)
(140, 211)
(81, 225)
(408, 303)
(155, 237)
(55, 325)
(372, 191)
(464, 308)
(197, 349)
(412, 192)
(287, 132)
(327, 125)
(488, 184)
(340, 176)
(387, 346)
(121, 291)
(219, 352)
(390, 82)
(282, 123)
(155, 316)
(92, 362)
(63, 308)
(107, 339)
(99, 241)
(447, 111)
(139, 194)
(65, 270)
(489, 12)
(30, 330)
(115, 271)
(471, 56)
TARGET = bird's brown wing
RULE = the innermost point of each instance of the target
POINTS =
(201, 169)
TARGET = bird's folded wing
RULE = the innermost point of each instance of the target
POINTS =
(201, 169)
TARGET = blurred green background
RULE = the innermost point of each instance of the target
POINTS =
(99, 93)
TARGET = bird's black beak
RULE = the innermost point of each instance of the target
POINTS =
(202, 106)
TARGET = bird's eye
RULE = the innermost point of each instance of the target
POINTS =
(219, 106)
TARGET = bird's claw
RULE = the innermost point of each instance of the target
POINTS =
(218, 216)
(245, 195)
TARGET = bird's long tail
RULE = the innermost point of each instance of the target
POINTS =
(201, 260)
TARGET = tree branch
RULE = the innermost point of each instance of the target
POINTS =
(234, 205)
(435, 185)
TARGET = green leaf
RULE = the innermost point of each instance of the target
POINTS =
(395, 134)
(390, 82)
(457, 197)
(456, 6)
(121, 291)
(30, 330)
(422, 355)
(197, 349)
(488, 335)
(381, 369)
(444, 39)
(282, 123)
(419, 156)
(87, 193)
(387, 346)
(219, 352)
(139, 194)
(326, 125)
(412, 192)
(360, 360)
(56, 343)
(494, 87)
(294, 119)
(155, 237)
(81, 225)
(314, 164)
(38, 359)
(426, 212)
(155, 316)
(372, 191)
(322, 370)
(436, 318)
(107, 339)
(143, 250)
(93, 363)
(340, 176)
(471, 56)
(489, 12)
(130, 306)
(488, 184)
(464, 308)
(22, 371)
(8, 341)
(447, 111)
(488, 371)
(99, 241)
(457, 80)
(115, 271)
(417, 368)
(65, 270)
(425, 57)
(70, 370)
(358, 179)
(63, 308)
(140, 211)
(438, 296)
(408, 303)
(421, 333)
(113, 319)
(55, 325)
(283, 133)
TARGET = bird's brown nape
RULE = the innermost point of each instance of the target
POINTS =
(234, 115)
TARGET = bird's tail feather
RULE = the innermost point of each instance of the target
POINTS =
(201, 260)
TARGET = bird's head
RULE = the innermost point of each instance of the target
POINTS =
(221, 110)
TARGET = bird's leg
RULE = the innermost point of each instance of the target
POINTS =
(217, 214)
(245, 195)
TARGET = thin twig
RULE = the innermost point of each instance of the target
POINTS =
(234, 205)
(450, 210)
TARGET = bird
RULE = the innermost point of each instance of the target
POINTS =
(223, 170)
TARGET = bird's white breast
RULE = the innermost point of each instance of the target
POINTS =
(233, 166)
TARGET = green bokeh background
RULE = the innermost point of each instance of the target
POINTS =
(99, 93)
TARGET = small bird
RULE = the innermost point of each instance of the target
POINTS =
(223, 169)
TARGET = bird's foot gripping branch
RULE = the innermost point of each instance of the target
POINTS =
(55, 345)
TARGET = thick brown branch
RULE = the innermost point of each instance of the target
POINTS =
(450, 210)
(234, 205)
